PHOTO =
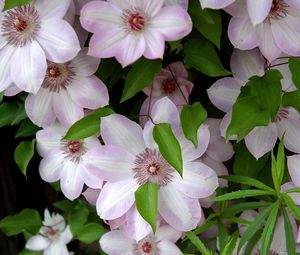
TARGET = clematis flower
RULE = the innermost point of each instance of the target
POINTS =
(131, 158)
(171, 81)
(218, 150)
(162, 243)
(183, 3)
(224, 92)
(53, 236)
(273, 33)
(129, 29)
(30, 35)
(66, 90)
(62, 160)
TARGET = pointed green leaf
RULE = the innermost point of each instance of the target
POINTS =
(28, 219)
(268, 232)
(243, 194)
(192, 116)
(280, 161)
(248, 181)
(294, 65)
(9, 4)
(140, 76)
(292, 206)
(23, 154)
(229, 247)
(289, 233)
(77, 218)
(90, 233)
(146, 201)
(291, 99)
(201, 55)
(11, 113)
(88, 125)
(222, 236)
(26, 129)
(198, 243)
(254, 226)
(274, 172)
(29, 252)
(168, 145)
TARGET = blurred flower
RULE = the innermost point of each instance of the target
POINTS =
(30, 35)
(129, 29)
(53, 236)
(116, 242)
(66, 90)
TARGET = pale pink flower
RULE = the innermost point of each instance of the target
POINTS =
(278, 32)
(53, 236)
(218, 151)
(131, 158)
(30, 35)
(183, 3)
(171, 81)
(63, 160)
(66, 90)
(129, 29)
(116, 242)
(224, 92)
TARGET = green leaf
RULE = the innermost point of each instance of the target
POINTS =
(140, 76)
(168, 145)
(246, 115)
(291, 99)
(26, 129)
(222, 236)
(207, 22)
(292, 190)
(198, 243)
(252, 243)
(291, 205)
(240, 207)
(90, 233)
(244, 162)
(65, 205)
(146, 200)
(23, 154)
(278, 166)
(243, 194)
(9, 4)
(11, 113)
(267, 90)
(202, 56)
(28, 219)
(77, 218)
(192, 116)
(29, 252)
(254, 226)
(229, 247)
(268, 232)
(248, 181)
(289, 233)
(294, 65)
(88, 125)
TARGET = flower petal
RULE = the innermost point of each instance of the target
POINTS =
(293, 167)
(37, 243)
(166, 232)
(66, 111)
(39, 108)
(154, 44)
(88, 92)
(261, 140)
(66, 236)
(120, 131)
(56, 247)
(12, 90)
(109, 163)
(173, 22)
(6, 55)
(116, 199)
(198, 181)
(168, 248)
(91, 195)
(115, 243)
(220, 150)
(181, 212)
(224, 92)
(29, 76)
(258, 10)
(52, 9)
(215, 4)
(71, 183)
(51, 167)
(59, 47)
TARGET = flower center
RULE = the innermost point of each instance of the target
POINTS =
(150, 166)
(58, 76)
(21, 25)
(282, 114)
(73, 149)
(146, 247)
(278, 10)
(136, 22)
(49, 232)
(169, 86)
